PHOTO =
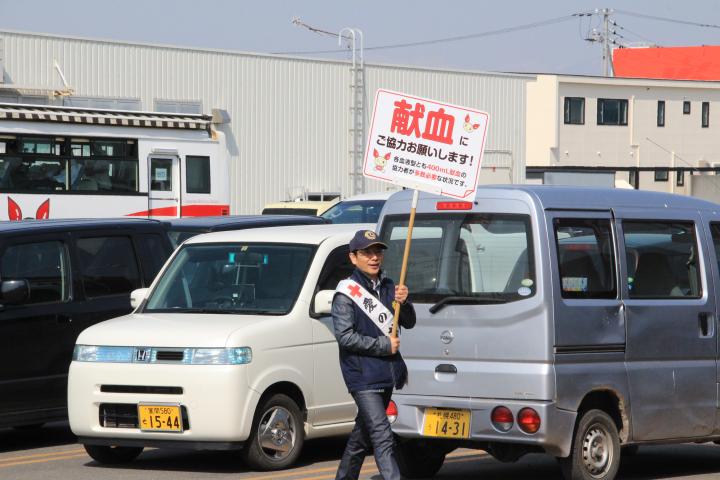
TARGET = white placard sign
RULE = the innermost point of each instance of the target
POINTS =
(426, 145)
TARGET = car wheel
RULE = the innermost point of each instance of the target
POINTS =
(112, 455)
(595, 451)
(277, 434)
(418, 461)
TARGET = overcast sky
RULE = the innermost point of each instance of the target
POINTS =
(265, 26)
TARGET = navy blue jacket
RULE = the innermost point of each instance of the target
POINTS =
(365, 355)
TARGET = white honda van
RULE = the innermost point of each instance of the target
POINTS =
(232, 347)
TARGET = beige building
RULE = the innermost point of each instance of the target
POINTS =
(651, 134)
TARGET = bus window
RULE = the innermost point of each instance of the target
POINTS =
(197, 174)
(42, 174)
(111, 175)
(161, 174)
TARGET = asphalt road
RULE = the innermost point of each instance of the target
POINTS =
(51, 453)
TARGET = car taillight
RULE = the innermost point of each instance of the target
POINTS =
(502, 418)
(453, 206)
(391, 412)
(528, 420)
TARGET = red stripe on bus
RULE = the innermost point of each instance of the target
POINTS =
(187, 211)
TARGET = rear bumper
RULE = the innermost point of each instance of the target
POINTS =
(555, 434)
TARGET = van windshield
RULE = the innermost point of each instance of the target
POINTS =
(483, 257)
(232, 278)
(360, 211)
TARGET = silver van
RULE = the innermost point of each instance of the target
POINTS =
(580, 322)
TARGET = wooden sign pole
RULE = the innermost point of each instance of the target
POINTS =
(406, 254)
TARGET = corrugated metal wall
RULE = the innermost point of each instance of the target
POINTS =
(290, 117)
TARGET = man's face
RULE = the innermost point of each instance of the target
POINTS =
(368, 260)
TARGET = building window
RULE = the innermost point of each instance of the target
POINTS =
(662, 175)
(612, 111)
(686, 107)
(575, 110)
(103, 102)
(705, 114)
(661, 113)
(178, 106)
(680, 178)
(633, 178)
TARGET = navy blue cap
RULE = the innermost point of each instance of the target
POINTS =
(363, 239)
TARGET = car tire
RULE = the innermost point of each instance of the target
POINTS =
(595, 450)
(418, 461)
(277, 434)
(112, 455)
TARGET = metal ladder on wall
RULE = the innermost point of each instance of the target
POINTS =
(357, 110)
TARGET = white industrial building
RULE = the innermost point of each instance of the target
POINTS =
(296, 126)
(292, 121)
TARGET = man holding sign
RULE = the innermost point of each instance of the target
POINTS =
(369, 357)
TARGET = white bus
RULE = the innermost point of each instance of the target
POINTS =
(61, 162)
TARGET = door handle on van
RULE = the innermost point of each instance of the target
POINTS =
(706, 324)
(446, 368)
(63, 318)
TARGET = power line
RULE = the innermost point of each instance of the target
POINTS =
(666, 19)
(636, 34)
(516, 28)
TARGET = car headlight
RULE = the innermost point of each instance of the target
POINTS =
(221, 356)
(191, 356)
(93, 353)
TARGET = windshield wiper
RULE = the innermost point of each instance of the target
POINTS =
(198, 310)
(469, 300)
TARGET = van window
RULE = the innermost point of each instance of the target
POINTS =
(152, 255)
(662, 259)
(475, 255)
(586, 258)
(107, 266)
(715, 229)
(44, 265)
(337, 267)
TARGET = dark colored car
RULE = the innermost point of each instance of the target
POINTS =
(180, 229)
(58, 277)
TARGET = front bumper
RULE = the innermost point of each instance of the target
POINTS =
(555, 434)
(217, 400)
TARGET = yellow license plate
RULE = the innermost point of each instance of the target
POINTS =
(160, 418)
(443, 422)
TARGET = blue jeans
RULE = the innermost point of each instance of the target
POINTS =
(371, 433)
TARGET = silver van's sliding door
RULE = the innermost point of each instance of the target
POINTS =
(671, 335)
(589, 340)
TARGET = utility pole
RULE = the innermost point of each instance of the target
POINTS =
(604, 36)
(606, 51)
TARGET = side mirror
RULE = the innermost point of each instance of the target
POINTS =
(323, 302)
(15, 291)
(137, 297)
